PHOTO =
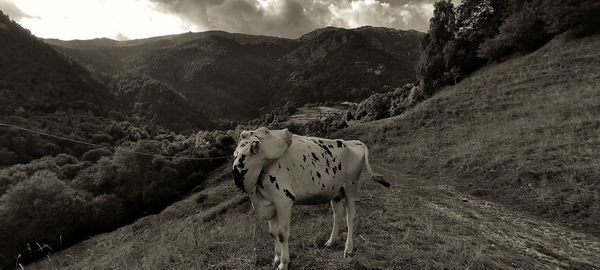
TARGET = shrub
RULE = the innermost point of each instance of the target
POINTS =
(68, 171)
(373, 108)
(99, 178)
(225, 140)
(7, 157)
(49, 148)
(41, 209)
(95, 154)
(100, 138)
(62, 159)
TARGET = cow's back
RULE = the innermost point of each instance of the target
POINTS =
(314, 169)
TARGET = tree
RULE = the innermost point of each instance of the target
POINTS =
(522, 31)
(432, 64)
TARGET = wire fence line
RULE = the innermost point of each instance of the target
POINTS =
(104, 146)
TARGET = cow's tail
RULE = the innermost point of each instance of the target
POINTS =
(374, 176)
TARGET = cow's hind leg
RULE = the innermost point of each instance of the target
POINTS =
(337, 205)
(350, 193)
(277, 244)
(284, 214)
(350, 216)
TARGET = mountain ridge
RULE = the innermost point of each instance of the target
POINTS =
(267, 70)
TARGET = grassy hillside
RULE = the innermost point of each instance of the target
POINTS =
(524, 133)
(521, 134)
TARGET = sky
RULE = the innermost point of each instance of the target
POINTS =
(133, 19)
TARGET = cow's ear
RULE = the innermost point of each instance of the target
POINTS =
(287, 137)
(255, 147)
(244, 134)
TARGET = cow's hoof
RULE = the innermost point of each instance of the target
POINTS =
(329, 243)
(347, 254)
(282, 267)
(275, 261)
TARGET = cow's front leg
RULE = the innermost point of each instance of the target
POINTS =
(284, 214)
(277, 244)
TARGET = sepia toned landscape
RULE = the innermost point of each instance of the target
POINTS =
(117, 154)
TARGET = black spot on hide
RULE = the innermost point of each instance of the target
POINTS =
(289, 194)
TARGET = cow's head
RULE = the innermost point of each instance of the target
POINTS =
(254, 150)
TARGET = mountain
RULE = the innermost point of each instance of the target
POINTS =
(36, 77)
(220, 75)
(236, 76)
(349, 64)
(108, 57)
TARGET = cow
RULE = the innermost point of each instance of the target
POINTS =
(278, 169)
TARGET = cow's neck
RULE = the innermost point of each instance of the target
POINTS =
(251, 179)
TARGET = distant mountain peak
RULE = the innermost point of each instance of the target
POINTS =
(232, 75)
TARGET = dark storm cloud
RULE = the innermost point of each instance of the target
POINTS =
(292, 18)
(12, 10)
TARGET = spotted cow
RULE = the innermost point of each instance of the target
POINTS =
(278, 169)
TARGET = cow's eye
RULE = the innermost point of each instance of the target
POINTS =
(254, 147)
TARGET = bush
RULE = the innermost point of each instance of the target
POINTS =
(95, 154)
(373, 108)
(62, 159)
(68, 171)
(225, 140)
(392, 103)
(7, 157)
(100, 138)
(41, 209)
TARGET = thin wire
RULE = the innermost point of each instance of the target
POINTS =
(106, 147)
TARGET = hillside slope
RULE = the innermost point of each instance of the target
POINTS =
(36, 77)
(426, 220)
(523, 133)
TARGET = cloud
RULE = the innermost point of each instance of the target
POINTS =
(292, 18)
(8, 7)
(76, 19)
(121, 19)
(120, 36)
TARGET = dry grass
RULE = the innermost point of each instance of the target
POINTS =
(397, 231)
(525, 133)
(409, 226)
